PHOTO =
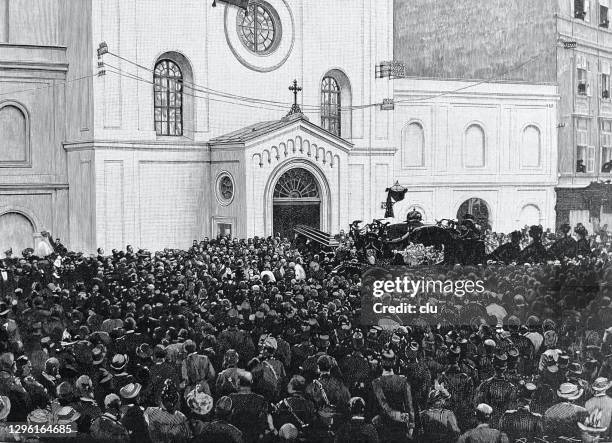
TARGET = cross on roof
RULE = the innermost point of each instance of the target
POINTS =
(295, 109)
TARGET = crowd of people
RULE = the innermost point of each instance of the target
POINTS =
(256, 340)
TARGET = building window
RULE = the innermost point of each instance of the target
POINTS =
(474, 147)
(259, 29)
(225, 188)
(585, 154)
(531, 147)
(581, 74)
(413, 145)
(14, 144)
(606, 145)
(331, 100)
(168, 88)
(605, 80)
(581, 9)
(604, 6)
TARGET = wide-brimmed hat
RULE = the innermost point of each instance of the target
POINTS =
(39, 417)
(5, 407)
(601, 384)
(144, 351)
(199, 402)
(119, 362)
(66, 414)
(569, 391)
(131, 390)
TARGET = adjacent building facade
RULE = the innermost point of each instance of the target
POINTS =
(566, 43)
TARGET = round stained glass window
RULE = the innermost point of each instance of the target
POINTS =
(259, 28)
(225, 189)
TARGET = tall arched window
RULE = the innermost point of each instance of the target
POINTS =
(336, 100)
(530, 147)
(14, 146)
(474, 147)
(330, 106)
(168, 87)
(413, 145)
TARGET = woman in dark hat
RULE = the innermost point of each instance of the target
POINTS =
(438, 424)
(166, 423)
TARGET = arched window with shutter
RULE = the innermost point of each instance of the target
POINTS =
(474, 147)
(14, 136)
(413, 145)
(531, 147)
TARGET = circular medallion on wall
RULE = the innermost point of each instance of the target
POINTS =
(262, 37)
(224, 188)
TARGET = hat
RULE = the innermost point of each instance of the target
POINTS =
(439, 392)
(131, 390)
(527, 390)
(119, 362)
(66, 415)
(231, 357)
(39, 417)
(296, 384)
(199, 402)
(575, 368)
(64, 390)
(144, 351)
(601, 384)
(98, 355)
(270, 342)
(569, 391)
(5, 407)
(500, 360)
(84, 384)
(159, 351)
(288, 432)
(110, 399)
(224, 406)
(484, 409)
(489, 342)
(388, 354)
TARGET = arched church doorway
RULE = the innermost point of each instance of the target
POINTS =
(478, 208)
(296, 201)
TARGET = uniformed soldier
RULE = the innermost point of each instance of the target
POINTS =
(438, 424)
(302, 350)
(521, 422)
(393, 402)
(418, 375)
(460, 386)
(497, 391)
(355, 367)
(295, 408)
(234, 338)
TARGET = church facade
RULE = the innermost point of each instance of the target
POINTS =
(180, 123)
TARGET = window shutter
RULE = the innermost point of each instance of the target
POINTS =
(589, 80)
(578, 6)
(605, 68)
(586, 10)
(590, 163)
